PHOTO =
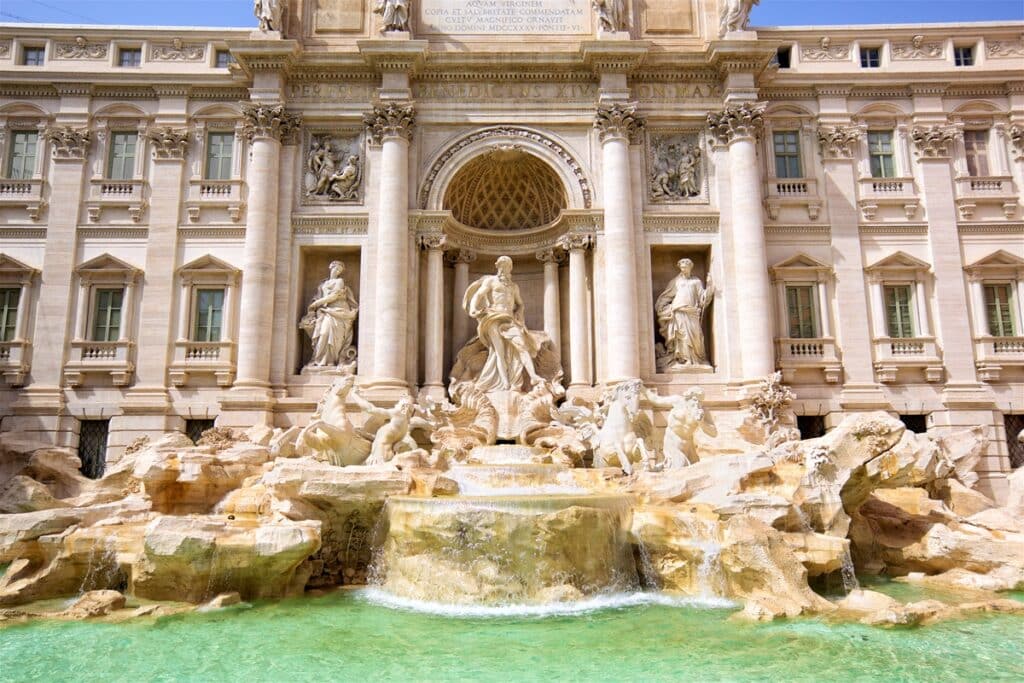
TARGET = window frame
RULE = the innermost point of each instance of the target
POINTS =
(813, 308)
(27, 174)
(26, 49)
(1010, 289)
(94, 315)
(112, 151)
(195, 312)
(796, 156)
(122, 52)
(971, 54)
(971, 156)
(208, 154)
(891, 154)
(864, 53)
(10, 317)
(217, 53)
(911, 308)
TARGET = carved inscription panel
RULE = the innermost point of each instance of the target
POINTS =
(505, 17)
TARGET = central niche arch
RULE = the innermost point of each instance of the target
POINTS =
(505, 188)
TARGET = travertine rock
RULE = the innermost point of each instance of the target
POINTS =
(24, 494)
(95, 604)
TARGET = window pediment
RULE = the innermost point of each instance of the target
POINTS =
(1000, 263)
(900, 264)
(107, 268)
(13, 270)
(208, 268)
(800, 265)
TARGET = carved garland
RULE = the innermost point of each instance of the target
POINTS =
(505, 131)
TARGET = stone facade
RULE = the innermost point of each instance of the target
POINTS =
(854, 197)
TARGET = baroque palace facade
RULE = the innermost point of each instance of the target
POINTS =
(174, 203)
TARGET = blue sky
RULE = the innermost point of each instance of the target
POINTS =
(769, 13)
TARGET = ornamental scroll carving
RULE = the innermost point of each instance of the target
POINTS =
(454, 256)
(1006, 48)
(433, 241)
(69, 143)
(390, 120)
(81, 49)
(917, 49)
(168, 143)
(825, 52)
(839, 142)
(334, 168)
(618, 121)
(269, 121)
(745, 120)
(5, 48)
(177, 51)
(576, 241)
(675, 167)
(934, 141)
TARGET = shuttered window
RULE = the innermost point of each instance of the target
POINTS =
(880, 150)
(9, 299)
(998, 304)
(122, 156)
(976, 146)
(899, 317)
(219, 149)
(106, 325)
(24, 151)
(800, 304)
(209, 315)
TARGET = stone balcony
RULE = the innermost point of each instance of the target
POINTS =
(226, 195)
(93, 357)
(993, 354)
(26, 194)
(874, 193)
(913, 353)
(121, 194)
(815, 355)
(13, 361)
(792, 192)
(992, 190)
(203, 358)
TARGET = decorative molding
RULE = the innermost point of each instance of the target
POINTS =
(269, 121)
(390, 120)
(825, 52)
(330, 225)
(1005, 48)
(168, 143)
(800, 229)
(211, 232)
(177, 51)
(839, 142)
(69, 143)
(454, 256)
(614, 121)
(506, 131)
(665, 223)
(737, 121)
(433, 241)
(119, 233)
(934, 142)
(576, 240)
(81, 49)
(22, 233)
(917, 49)
(894, 229)
(991, 229)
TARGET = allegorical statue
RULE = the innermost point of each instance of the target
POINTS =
(505, 355)
(325, 179)
(611, 14)
(736, 15)
(680, 309)
(269, 13)
(329, 320)
(394, 14)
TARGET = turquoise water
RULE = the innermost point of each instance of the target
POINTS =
(344, 637)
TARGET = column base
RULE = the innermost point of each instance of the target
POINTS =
(384, 389)
(245, 407)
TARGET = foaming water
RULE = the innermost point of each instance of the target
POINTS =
(598, 603)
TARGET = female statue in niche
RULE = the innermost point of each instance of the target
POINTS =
(329, 320)
(680, 309)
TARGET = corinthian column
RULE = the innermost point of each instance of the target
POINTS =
(433, 381)
(552, 310)
(265, 126)
(579, 339)
(390, 126)
(618, 125)
(738, 127)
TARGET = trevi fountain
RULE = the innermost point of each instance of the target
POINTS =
(508, 523)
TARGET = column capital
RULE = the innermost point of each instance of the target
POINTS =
(577, 241)
(71, 144)
(1016, 134)
(935, 142)
(618, 121)
(390, 120)
(839, 142)
(269, 121)
(433, 242)
(168, 144)
(737, 122)
(555, 256)
(460, 256)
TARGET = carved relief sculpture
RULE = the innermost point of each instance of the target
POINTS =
(825, 52)
(839, 142)
(675, 168)
(82, 49)
(269, 14)
(329, 320)
(5, 48)
(935, 141)
(680, 310)
(177, 51)
(68, 143)
(917, 49)
(1005, 48)
(1017, 140)
(333, 169)
(394, 15)
(168, 143)
(735, 15)
(611, 15)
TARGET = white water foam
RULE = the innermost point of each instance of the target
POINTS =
(382, 598)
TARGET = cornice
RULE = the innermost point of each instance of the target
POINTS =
(211, 232)
(614, 56)
(383, 54)
(991, 229)
(12, 233)
(819, 230)
(330, 225)
(670, 223)
(894, 229)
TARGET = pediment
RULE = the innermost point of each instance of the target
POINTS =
(105, 263)
(801, 261)
(901, 260)
(207, 263)
(12, 266)
(1001, 261)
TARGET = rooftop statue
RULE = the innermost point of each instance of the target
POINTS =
(394, 14)
(736, 15)
(269, 13)
(611, 15)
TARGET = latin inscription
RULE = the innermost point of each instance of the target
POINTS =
(510, 17)
(485, 91)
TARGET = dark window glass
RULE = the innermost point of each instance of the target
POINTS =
(784, 57)
(870, 57)
(129, 56)
(963, 56)
(9, 299)
(222, 59)
(1014, 427)
(194, 428)
(787, 154)
(33, 56)
(92, 446)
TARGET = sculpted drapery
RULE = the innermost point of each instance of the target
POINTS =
(329, 320)
(680, 309)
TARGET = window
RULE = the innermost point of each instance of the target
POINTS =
(1014, 425)
(219, 149)
(976, 146)
(918, 424)
(787, 154)
(9, 299)
(810, 426)
(801, 307)
(899, 314)
(33, 56)
(784, 57)
(963, 56)
(880, 151)
(106, 326)
(870, 57)
(194, 428)
(24, 150)
(223, 58)
(122, 156)
(92, 446)
(998, 305)
(129, 56)
(209, 315)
